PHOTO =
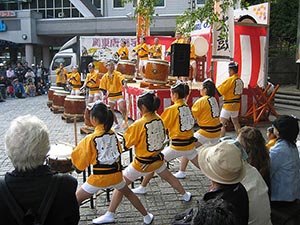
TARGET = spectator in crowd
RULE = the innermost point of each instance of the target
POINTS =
(257, 189)
(30, 76)
(223, 164)
(19, 90)
(258, 156)
(20, 73)
(31, 92)
(10, 75)
(27, 145)
(285, 163)
(38, 74)
(39, 89)
(271, 138)
(215, 212)
(2, 69)
(3, 85)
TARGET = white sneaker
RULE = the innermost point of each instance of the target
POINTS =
(179, 175)
(148, 219)
(117, 126)
(108, 217)
(140, 190)
(187, 196)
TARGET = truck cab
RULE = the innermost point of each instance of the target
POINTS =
(67, 57)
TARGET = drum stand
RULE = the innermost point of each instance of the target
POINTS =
(70, 119)
(153, 86)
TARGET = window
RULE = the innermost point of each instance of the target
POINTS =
(118, 4)
(97, 4)
(50, 4)
(41, 4)
(200, 2)
(160, 3)
(50, 14)
(58, 3)
(65, 60)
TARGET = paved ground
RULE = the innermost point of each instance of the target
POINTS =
(161, 199)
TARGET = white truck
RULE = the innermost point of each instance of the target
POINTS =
(80, 50)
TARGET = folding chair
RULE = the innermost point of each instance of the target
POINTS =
(262, 106)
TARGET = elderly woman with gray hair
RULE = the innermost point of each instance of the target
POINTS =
(32, 192)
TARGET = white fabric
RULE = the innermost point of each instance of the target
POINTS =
(259, 204)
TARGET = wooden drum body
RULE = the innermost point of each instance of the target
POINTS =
(59, 101)
(74, 106)
(59, 158)
(87, 121)
(127, 68)
(157, 71)
(51, 93)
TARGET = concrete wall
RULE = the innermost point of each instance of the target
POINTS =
(282, 70)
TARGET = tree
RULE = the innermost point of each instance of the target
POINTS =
(186, 22)
(283, 27)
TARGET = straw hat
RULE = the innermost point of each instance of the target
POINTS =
(222, 162)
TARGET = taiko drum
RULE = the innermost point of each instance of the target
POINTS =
(74, 106)
(59, 100)
(51, 93)
(59, 158)
(127, 68)
(157, 71)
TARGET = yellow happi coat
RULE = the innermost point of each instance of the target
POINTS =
(102, 150)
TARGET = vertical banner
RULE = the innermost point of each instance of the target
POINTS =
(143, 24)
(222, 49)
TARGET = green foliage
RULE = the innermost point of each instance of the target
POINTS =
(145, 8)
(283, 27)
(186, 22)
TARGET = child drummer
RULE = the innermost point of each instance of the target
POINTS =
(102, 150)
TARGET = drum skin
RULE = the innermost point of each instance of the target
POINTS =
(59, 158)
(74, 106)
(157, 71)
(127, 68)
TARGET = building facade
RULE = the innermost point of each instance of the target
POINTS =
(33, 30)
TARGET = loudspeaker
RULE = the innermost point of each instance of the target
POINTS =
(84, 62)
(180, 60)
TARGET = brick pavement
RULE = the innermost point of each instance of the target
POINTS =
(161, 199)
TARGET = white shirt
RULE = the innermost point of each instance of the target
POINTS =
(259, 203)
